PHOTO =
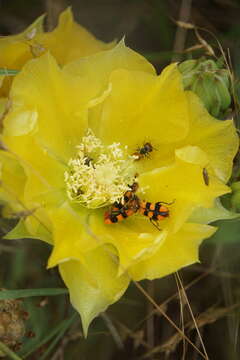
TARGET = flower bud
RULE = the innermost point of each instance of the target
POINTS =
(210, 82)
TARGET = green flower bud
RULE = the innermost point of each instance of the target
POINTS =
(186, 66)
(210, 81)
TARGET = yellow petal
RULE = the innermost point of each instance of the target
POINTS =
(15, 51)
(34, 223)
(22, 123)
(179, 250)
(43, 171)
(72, 235)
(99, 66)
(142, 107)
(217, 212)
(20, 231)
(70, 41)
(183, 184)
(134, 239)
(217, 138)
(40, 188)
(96, 71)
(38, 224)
(41, 102)
(12, 181)
(94, 285)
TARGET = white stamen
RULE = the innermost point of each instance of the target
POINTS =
(99, 174)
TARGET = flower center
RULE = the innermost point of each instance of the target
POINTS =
(99, 174)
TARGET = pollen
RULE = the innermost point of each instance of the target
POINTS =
(99, 174)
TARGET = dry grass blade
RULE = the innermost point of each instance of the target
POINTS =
(185, 25)
(194, 48)
(137, 336)
(182, 302)
(167, 347)
(208, 48)
(203, 44)
(211, 315)
(163, 305)
(150, 321)
(191, 312)
(169, 319)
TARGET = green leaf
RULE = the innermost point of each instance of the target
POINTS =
(22, 293)
(228, 232)
(64, 326)
(58, 331)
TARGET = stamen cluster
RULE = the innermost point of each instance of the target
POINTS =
(100, 174)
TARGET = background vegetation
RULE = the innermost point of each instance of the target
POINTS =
(133, 328)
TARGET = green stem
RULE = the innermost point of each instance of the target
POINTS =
(8, 72)
(9, 352)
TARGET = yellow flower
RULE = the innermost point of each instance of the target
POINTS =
(75, 137)
(68, 42)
